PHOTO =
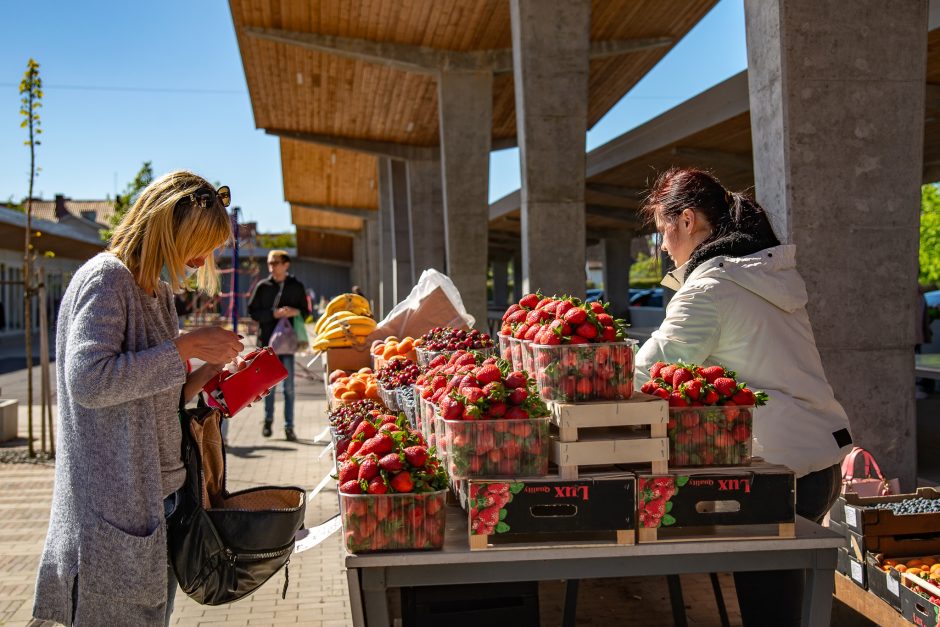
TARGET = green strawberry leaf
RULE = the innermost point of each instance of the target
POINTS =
(681, 480)
(668, 520)
(668, 506)
(502, 527)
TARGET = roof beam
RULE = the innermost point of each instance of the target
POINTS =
(721, 159)
(506, 205)
(629, 219)
(356, 212)
(931, 172)
(329, 231)
(406, 152)
(424, 60)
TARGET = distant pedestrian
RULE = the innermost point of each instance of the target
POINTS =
(279, 296)
(120, 372)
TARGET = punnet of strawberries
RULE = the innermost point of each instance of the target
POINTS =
(346, 417)
(494, 423)
(392, 488)
(554, 320)
(430, 385)
(711, 413)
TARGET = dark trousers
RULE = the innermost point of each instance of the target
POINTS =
(771, 598)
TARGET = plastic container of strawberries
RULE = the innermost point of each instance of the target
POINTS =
(495, 448)
(580, 373)
(505, 346)
(389, 397)
(515, 353)
(393, 522)
(710, 436)
(426, 356)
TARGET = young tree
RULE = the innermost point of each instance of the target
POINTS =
(123, 202)
(30, 102)
(929, 256)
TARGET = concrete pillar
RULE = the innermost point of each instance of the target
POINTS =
(465, 104)
(550, 40)
(386, 291)
(425, 210)
(837, 117)
(371, 284)
(617, 262)
(357, 273)
(500, 283)
(401, 232)
(517, 276)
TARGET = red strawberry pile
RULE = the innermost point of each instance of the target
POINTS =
(487, 504)
(555, 320)
(387, 459)
(592, 372)
(710, 413)
(493, 423)
(654, 498)
(431, 385)
(398, 373)
(449, 339)
(345, 418)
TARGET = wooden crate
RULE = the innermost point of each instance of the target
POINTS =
(610, 433)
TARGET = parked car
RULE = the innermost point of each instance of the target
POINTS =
(593, 294)
(646, 298)
(932, 298)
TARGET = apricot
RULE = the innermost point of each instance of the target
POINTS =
(350, 396)
(356, 385)
(406, 346)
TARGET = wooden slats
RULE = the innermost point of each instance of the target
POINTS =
(303, 217)
(317, 175)
(315, 245)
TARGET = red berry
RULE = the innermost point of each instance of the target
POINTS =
(402, 482)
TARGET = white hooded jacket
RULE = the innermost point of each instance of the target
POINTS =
(748, 314)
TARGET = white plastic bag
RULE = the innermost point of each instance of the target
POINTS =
(433, 302)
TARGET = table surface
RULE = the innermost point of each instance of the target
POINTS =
(456, 549)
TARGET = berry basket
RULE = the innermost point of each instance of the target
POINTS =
(494, 448)
(389, 397)
(516, 348)
(406, 404)
(505, 346)
(710, 436)
(393, 522)
(577, 373)
(426, 356)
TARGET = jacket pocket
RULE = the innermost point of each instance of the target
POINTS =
(119, 565)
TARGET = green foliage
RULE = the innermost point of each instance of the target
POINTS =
(645, 270)
(123, 202)
(929, 256)
(277, 240)
(15, 206)
(31, 101)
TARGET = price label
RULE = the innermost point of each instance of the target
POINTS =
(850, 517)
(857, 572)
(894, 587)
(309, 538)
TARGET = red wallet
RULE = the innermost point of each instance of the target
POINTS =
(233, 391)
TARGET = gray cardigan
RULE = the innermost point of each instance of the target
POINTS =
(105, 551)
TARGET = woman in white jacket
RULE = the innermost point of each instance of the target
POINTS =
(740, 303)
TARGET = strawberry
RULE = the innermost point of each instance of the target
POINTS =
(550, 307)
(516, 413)
(676, 400)
(529, 301)
(512, 309)
(402, 482)
(692, 389)
(563, 307)
(417, 456)
(744, 397)
(575, 316)
(666, 373)
(494, 391)
(377, 486)
(530, 334)
(473, 395)
(741, 433)
(516, 379)
(545, 301)
(711, 373)
(488, 374)
(680, 376)
(518, 396)
(661, 393)
(471, 412)
(533, 317)
(647, 388)
(517, 316)
(521, 331)
(605, 319)
(609, 334)
(551, 339)
(577, 339)
(497, 409)
(711, 396)
(391, 463)
(450, 408)
(725, 386)
(586, 330)
(369, 468)
(598, 308)
(655, 368)
(351, 487)
(365, 427)
(348, 471)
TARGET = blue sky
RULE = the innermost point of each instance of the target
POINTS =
(128, 82)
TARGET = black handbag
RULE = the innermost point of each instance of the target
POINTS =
(224, 545)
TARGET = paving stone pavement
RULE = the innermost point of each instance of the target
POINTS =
(318, 594)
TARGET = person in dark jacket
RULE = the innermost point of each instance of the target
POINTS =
(280, 295)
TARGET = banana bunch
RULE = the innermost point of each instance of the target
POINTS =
(346, 322)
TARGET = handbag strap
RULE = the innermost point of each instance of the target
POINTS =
(277, 299)
(848, 465)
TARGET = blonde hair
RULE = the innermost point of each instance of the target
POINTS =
(158, 232)
(280, 255)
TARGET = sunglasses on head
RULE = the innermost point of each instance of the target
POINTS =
(205, 197)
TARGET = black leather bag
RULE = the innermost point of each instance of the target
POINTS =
(224, 545)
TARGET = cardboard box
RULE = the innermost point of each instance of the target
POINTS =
(860, 518)
(919, 610)
(851, 567)
(352, 358)
(699, 498)
(550, 510)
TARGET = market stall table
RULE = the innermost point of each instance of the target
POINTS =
(813, 550)
(927, 366)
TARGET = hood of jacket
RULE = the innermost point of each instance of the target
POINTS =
(769, 273)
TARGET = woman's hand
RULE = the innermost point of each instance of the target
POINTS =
(286, 312)
(213, 345)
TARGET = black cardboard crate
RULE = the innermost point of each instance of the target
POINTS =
(716, 503)
(918, 610)
(886, 585)
(891, 546)
(851, 567)
(840, 529)
(879, 522)
(598, 508)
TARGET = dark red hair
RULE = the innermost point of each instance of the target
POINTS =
(727, 212)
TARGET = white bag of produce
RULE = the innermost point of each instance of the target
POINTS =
(433, 302)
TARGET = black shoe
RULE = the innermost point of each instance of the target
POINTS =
(266, 432)
(290, 435)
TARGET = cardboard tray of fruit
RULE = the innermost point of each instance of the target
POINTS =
(902, 514)
(920, 599)
(885, 574)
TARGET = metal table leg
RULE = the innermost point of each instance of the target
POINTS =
(355, 597)
(571, 603)
(374, 597)
(818, 585)
(678, 603)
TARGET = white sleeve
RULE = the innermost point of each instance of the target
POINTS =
(689, 333)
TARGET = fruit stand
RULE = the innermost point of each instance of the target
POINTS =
(534, 458)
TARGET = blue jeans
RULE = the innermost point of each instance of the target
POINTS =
(288, 385)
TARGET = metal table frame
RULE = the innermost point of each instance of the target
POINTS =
(370, 575)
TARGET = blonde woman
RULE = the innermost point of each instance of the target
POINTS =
(120, 369)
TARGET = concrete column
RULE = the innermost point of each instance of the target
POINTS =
(837, 117)
(617, 262)
(550, 40)
(386, 290)
(357, 273)
(371, 285)
(425, 210)
(500, 283)
(517, 276)
(401, 232)
(465, 103)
